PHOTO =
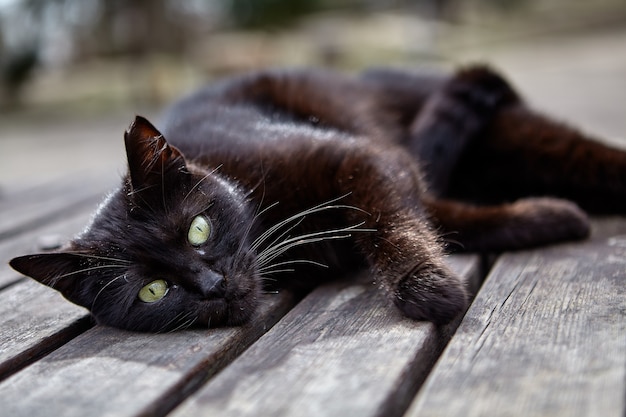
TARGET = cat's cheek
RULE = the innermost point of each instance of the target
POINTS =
(212, 313)
(241, 311)
(243, 296)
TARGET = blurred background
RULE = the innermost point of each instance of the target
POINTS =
(73, 73)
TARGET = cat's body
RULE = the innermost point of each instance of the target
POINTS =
(298, 169)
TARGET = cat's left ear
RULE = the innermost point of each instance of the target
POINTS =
(150, 158)
(62, 271)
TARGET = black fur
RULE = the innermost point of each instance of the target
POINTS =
(293, 169)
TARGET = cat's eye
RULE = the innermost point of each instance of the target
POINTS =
(154, 291)
(199, 231)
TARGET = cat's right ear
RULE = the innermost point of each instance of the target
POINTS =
(63, 272)
(151, 160)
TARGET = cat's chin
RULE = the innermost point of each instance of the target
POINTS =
(220, 312)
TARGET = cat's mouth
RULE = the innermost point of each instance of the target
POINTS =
(228, 311)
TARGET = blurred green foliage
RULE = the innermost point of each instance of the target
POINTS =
(270, 13)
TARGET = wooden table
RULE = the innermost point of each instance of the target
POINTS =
(545, 336)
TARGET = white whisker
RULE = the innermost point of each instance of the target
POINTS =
(296, 261)
(93, 268)
(139, 190)
(201, 181)
(139, 193)
(276, 252)
(180, 316)
(104, 287)
(163, 186)
(328, 205)
(188, 324)
(283, 235)
(185, 323)
(251, 225)
(276, 271)
(104, 258)
(278, 249)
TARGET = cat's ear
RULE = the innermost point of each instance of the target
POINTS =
(150, 158)
(62, 271)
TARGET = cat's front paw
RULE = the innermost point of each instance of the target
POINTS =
(431, 294)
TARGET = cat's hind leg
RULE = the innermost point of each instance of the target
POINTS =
(524, 223)
(523, 153)
(453, 117)
(452, 112)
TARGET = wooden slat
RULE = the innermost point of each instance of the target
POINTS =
(607, 227)
(28, 241)
(49, 201)
(343, 351)
(35, 320)
(38, 190)
(106, 371)
(546, 336)
(58, 208)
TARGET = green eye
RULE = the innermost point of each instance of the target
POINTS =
(199, 231)
(153, 291)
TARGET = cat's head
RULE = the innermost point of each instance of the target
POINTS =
(168, 249)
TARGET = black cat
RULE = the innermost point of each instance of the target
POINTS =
(298, 169)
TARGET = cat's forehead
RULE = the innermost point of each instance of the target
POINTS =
(210, 188)
(128, 224)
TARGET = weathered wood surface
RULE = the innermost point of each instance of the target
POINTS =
(111, 372)
(35, 320)
(47, 210)
(119, 373)
(546, 336)
(36, 205)
(343, 351)
(30, 241)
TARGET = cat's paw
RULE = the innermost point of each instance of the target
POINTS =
(431, 294)
(482, 89)
(539, 221)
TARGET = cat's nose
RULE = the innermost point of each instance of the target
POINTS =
(211, 284)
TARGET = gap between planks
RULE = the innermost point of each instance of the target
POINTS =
(398, 391)
(106, 371)
(59, 210)
(343, 351)
(35, 319)
(546, 336)
(128, 374)
(38, 205)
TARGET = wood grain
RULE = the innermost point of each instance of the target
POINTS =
(343, 351)
(28, 241)
(546, 336)
(60, 207)
(110, 372)
(45, 202)
(606, 227)
(35, 320)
